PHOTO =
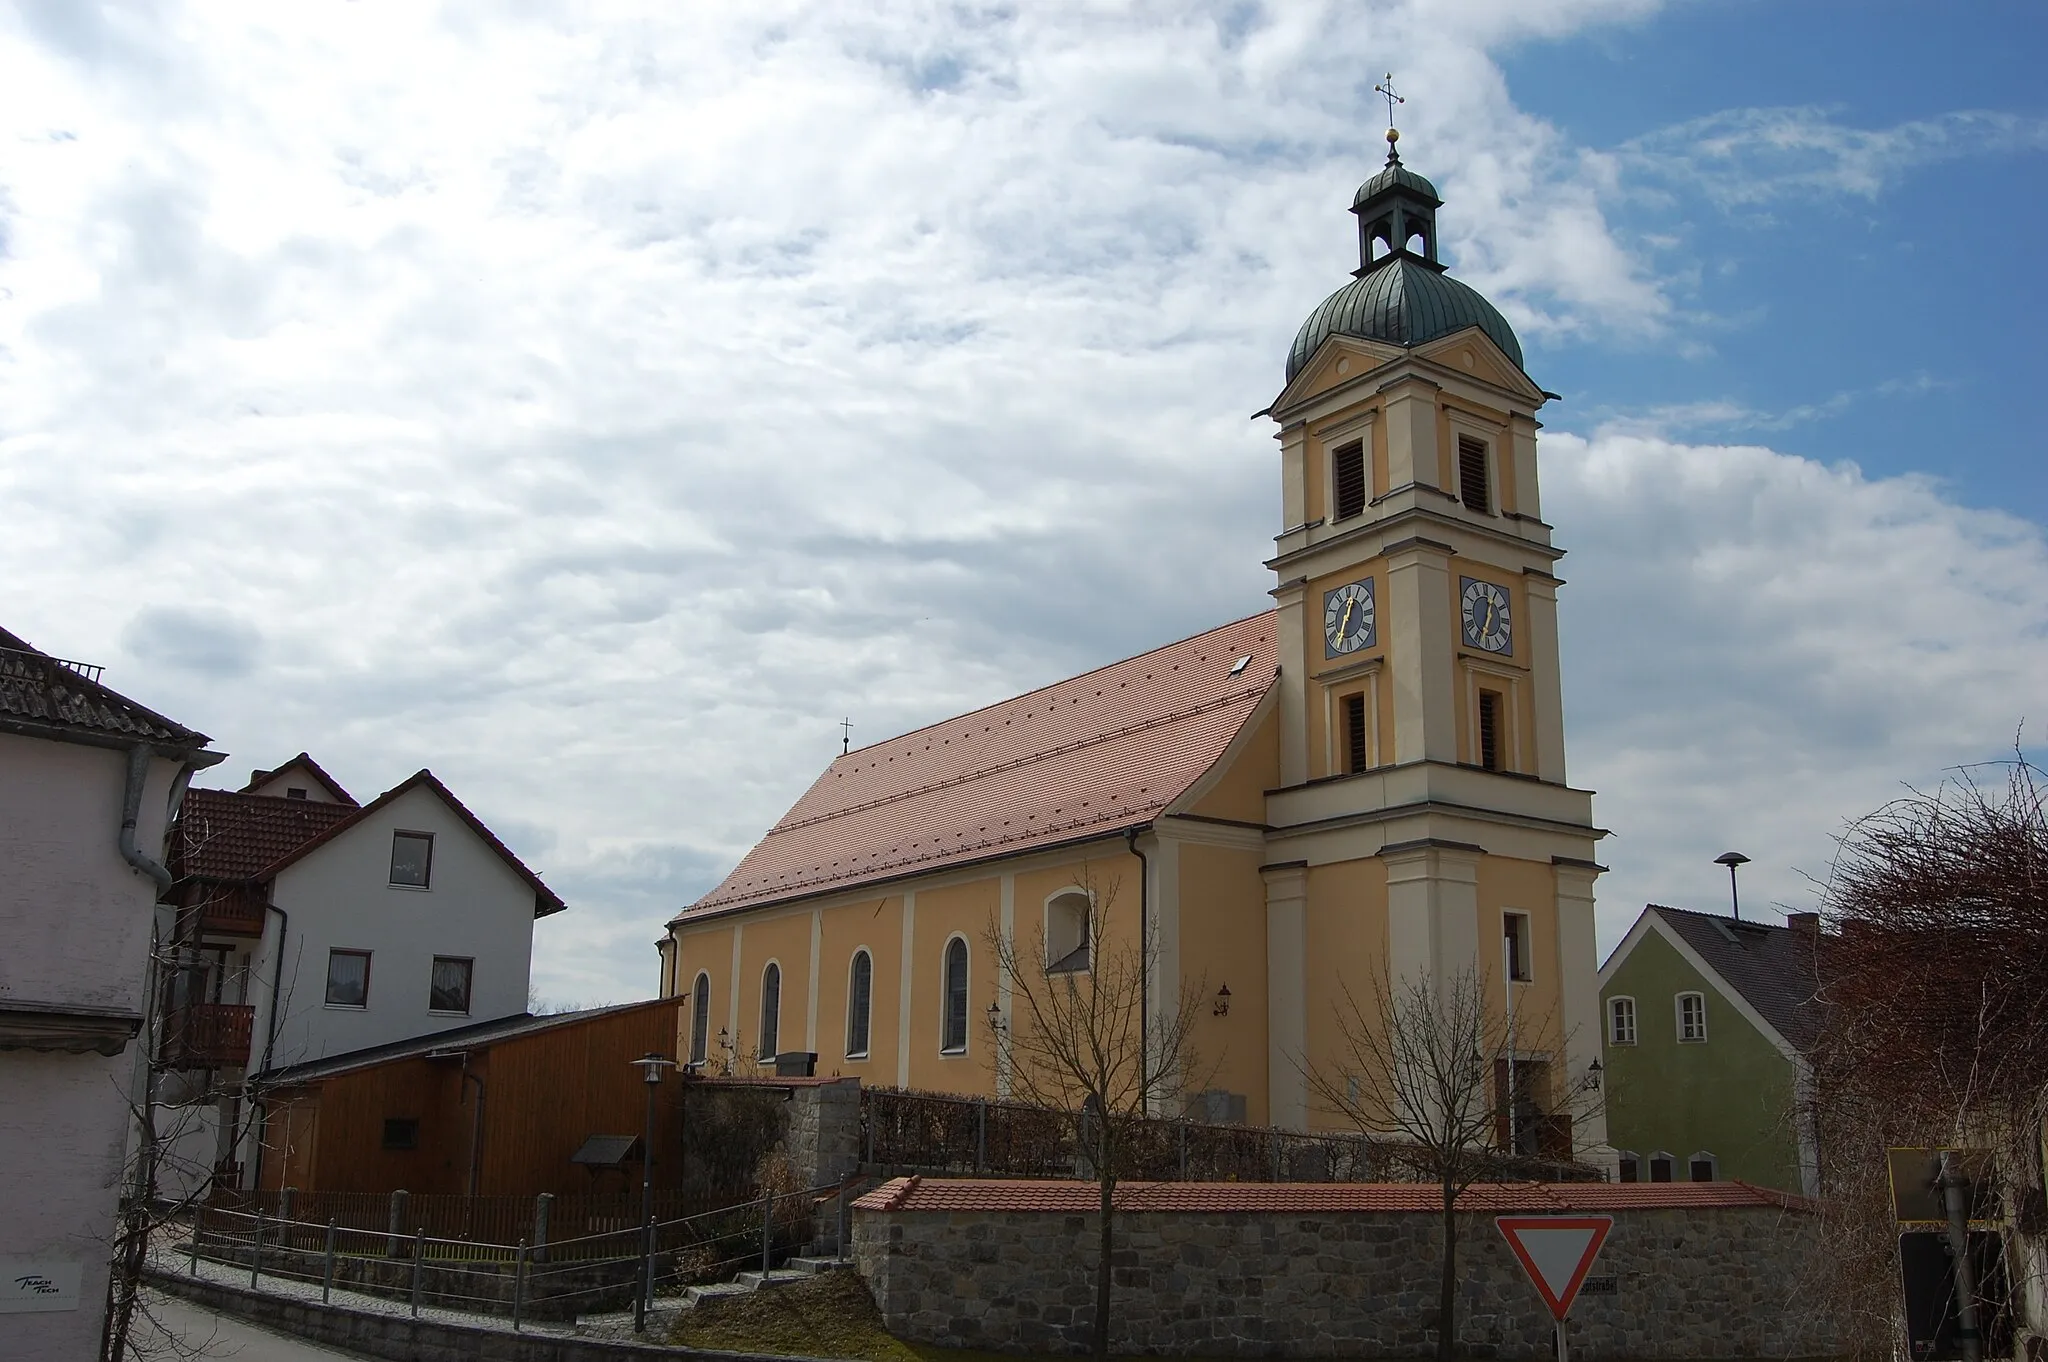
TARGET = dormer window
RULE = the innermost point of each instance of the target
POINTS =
(412, 859)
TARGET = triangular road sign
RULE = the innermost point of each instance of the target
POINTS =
(1557, 1251)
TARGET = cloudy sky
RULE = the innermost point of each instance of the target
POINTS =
(595, 403)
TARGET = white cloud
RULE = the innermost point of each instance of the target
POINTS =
(1741, 157)
(598, 412)
(1759, 647)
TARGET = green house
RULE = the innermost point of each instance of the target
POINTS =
(1707, 1022)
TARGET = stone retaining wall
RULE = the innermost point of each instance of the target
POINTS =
(1688, 1283)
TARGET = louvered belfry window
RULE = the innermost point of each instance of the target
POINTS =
(1347, 469)
(1354, 733)
(1472, 485)
(1489, 729)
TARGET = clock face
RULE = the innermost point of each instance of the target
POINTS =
(1348, 620)
(1485, 610)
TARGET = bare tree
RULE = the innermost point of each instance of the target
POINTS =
(1077, 1039)
(1413, 1067)
(1932, 1012)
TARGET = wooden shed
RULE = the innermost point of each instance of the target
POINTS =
(496, 1109)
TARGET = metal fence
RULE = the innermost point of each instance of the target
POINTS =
(482, 1222)
(933, 1132)
(606, 1271)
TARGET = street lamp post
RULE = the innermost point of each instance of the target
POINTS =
(1731, 859)
(650, 1066)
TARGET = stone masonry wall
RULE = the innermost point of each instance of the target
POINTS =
(823, 1137)
(1690, 1283)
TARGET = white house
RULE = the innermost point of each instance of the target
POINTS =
(88, 784)
(311, 926)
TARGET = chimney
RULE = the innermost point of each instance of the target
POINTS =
(1805, 923)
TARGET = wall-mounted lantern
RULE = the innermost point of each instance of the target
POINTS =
(1222, 1005)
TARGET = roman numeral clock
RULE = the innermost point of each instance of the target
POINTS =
(1488, 626)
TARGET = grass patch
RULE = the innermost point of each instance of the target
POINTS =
(830, 1315)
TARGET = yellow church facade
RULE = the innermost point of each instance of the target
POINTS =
(1361, 785)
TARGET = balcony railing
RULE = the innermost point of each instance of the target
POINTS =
(232, 914)
(209, 1035)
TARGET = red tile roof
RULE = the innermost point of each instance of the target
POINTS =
(1084, 757)
(1077, 1198)
(227, 835)
(304, 762)
(222, 835)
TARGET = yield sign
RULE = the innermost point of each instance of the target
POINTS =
(1556, 1251)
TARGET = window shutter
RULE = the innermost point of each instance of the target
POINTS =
(1347, 469)
(1472, 488)
(1354, 733)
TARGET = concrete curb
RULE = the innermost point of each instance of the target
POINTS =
(400, 1338)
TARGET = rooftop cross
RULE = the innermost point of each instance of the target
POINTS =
(845, 736)
(1386, 88)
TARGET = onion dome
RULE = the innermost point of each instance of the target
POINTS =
(1400, 295)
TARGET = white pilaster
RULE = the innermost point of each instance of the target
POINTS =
(1545, 675)
(1287, 996)
(1579, 987)
(909, 970)
(811, 1001)
(1291, 638)
(1419, 623)
(1432, 912)
(1005, 984)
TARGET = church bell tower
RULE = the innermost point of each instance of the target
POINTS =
(1423, 821)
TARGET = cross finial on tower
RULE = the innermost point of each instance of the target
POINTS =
(845, 736)
(1386, 88)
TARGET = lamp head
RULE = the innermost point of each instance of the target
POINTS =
(1731, 859)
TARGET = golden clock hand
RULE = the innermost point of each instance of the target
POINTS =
(1488, 627)
(1344, 624)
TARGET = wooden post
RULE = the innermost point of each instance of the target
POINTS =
(256, 1249)
(1183, 1151)
(518, 1285)
(767, 1227)
(198, 1226)
(980, 1134)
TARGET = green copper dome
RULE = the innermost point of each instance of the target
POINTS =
(1398, 294)
(1395, 175)
(1403, 302)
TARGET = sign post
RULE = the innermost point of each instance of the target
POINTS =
(1557, 1251)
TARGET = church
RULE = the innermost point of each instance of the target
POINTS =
(1366, 781)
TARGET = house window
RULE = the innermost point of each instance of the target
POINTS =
(1066, 932)
(1692, 1017)
(1703, 1167)
(348, 978)
(1660, 1166)
(401, 1132)
(1347, 477)
(1621, 1021)
(700, 1018)
(449, 989)
(860, 1005)
(953, 1026)
(771, 1010)
(1627, 1167)
(1515, 944)
(1489, 729)
(412, 858)
(295, 792)
(1472, 481)
(1354, 734)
